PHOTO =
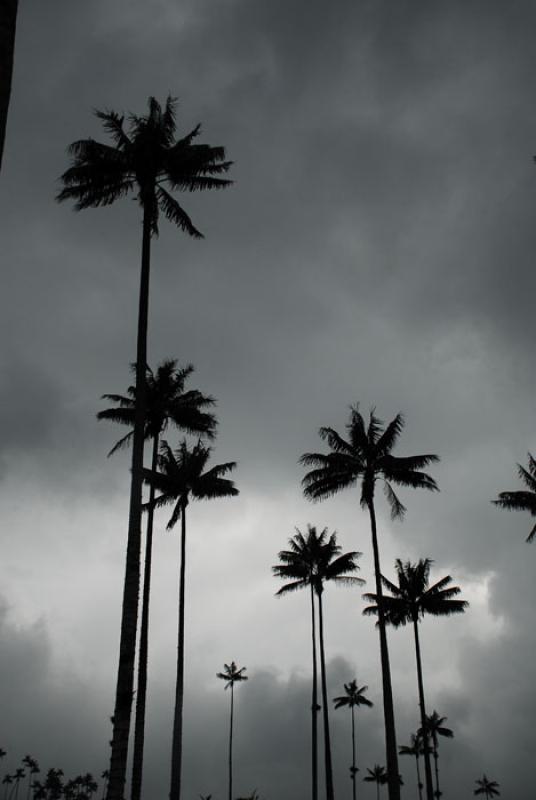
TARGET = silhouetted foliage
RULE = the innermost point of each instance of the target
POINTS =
(522, 500)
(487, 787)
(231, 674)
(416, 749)
(352, 698)
(363, 459)
(433, 729)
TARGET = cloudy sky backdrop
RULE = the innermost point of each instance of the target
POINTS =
(378, 247)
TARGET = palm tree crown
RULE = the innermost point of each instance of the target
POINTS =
(435, 727)
(166, 401)
(353, 696)
(487, 787)
(413, 597)
(522, 500)
(231, 674)
(365, 455)
(142, 160)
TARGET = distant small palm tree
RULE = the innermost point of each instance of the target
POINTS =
(433, 729)
(231, 675)
(7, 781)
(352, 698)
(487, 787)
(33, 769)
(143, 160)
(167, 403)
(408, 603)
(364, 459)
(376, 775)
(104, 775)
(415, 749)
(181, 478)
(522, 500)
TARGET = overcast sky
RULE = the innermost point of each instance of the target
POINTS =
(377, 247)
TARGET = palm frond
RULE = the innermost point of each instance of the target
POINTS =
(174, 213)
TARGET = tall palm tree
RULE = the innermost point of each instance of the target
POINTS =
(378, 776)
(433, 729)
(298, 565)
(352, 698)
(366, 458)
(181, 478)
(408, 603)
(33, 769)
(525, 499)
(167, 402)
(231, 675)
(141, 160)
(416, 749)
(487, 787)
(327, 564)
(8, 24)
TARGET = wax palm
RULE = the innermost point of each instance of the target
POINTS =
(522, 500)
(352, 698)
(7, 780)
(433, 729)
(409, 601)
(364, 459)
(376, 775)
(181, 478)
(487, 787)
(33, 769)
(323, 562)
(167, 402)
(415, 749)
(142, 160)
(231, 675)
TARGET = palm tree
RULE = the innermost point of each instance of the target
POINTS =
(366, 457)
(7, 780)
(408, 603)
(167, 401)
(415, 749)
(104, 775)
(141, 160)
(434, 727)
(18, 776)
(8, 24)
(231, 675)
(326, 564)
(353, 698)
(180, 479)
(525, 499)
(378, 776)
(487, 787)
(33, 769)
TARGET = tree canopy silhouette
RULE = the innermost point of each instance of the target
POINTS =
(525, 499)
(231, 674)
(353, 698)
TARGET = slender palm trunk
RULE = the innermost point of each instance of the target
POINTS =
(419, 784)
(377, 790)
(354, 768)
(426, 754)
(8, 25)
(314, 703)
(388, 710)
(325, 708)
(176, 748)
(436, 765)
(129, 613)
(141, 694)
(231, 745)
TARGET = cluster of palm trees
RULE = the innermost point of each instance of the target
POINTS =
(52, 787)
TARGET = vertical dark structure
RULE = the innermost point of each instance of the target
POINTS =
(8, 25)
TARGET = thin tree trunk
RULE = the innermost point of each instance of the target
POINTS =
(129, 613)
(426, 754)
(8, 25)
(354, 770)
(141, 694)
(325, 709)
(314, 703)
(419, 784)
(378, 790)
(231, 745)
(176, 749)
(388, 710)
(436, 764)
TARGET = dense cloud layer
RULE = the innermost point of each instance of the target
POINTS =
(377, 248)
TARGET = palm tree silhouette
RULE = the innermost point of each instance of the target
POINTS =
(298, 565)
(487, 787)
(378, 776)
(182, 478)
(352, 698)
(141, 160)
(33, 769)
(8, 24)
(523, 500)
(167, 402)
(434, 727)
(18, 776)
(366, 457)
(326, 564)
(415, 749)
(231, 675)
(7, 781)
(408, 603)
